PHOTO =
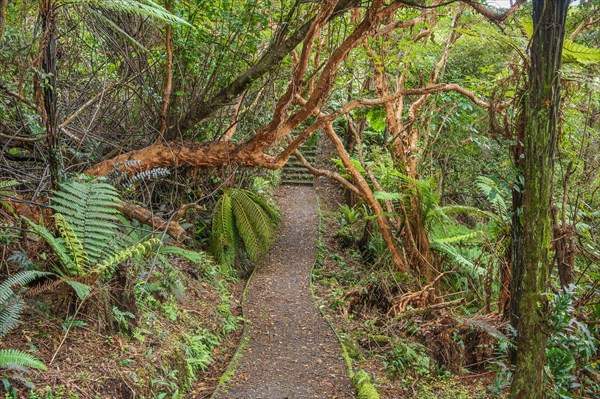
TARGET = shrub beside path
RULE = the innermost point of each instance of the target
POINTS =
(291, 352)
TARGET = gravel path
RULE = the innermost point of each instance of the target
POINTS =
(291, 353)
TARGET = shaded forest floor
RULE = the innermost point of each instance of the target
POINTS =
(176, 338)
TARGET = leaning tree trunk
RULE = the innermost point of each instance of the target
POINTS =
(541, 115)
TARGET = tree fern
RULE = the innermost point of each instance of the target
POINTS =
(146, 8)
(242, 220)
(86, 218)
(91, 208)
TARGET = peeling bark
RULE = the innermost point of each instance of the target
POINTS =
(273, 56)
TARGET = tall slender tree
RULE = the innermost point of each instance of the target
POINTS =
(541, 114)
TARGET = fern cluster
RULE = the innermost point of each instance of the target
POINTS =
(242, 220)
(11, 305)
(86, 219)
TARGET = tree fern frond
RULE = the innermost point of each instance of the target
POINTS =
(199, 257)
(20, 279)
(147, 8)
(91, 209)
(387, 196)
(81, 290)
(255, 227)
(460, 238)
(452, 253)
(490, 189)
(223, 231)
(124, 254)
(248, 232)
(58, 247)
(10, 310)
(12, 358)
(242, 218)
(575, 52)
(72, 242)
(267, 206)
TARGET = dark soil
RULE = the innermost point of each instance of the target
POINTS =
(291, 352)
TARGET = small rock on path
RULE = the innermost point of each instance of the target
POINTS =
(291, 353)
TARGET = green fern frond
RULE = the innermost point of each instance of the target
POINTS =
(267, 206)
(223, 238)
(242, 219)
(72, 242)
(575, 52)
(572, 52)
(452, 254)
(146, 8)
(124, 254)
(490, 189)
(10, 311)
(12, 358)
(81, 290)
(8, 183)
(255, 227)
(460, 238)
(19, 280)
(58, 247)
(11, 304)
(198, 257)
(387, 196)
(91, 209)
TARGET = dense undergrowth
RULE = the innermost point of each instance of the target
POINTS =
(108, 309)
(454, 349)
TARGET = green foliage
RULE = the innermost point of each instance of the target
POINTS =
(146, 8)
(11, 305)
(242, 220)
(10, 302)
(571, 347)
(364, 386)
(3, 186)
(86, 218)
(19, 360)
(407, 358)
(90, 207)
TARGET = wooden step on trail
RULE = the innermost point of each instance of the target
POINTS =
(295, 174)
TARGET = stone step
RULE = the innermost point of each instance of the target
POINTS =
(295, 164)
(297, 177)
(292, 169)
(297, 183)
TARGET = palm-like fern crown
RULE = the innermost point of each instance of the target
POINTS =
(242, 219)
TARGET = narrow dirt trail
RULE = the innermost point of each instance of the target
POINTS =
(291, 353)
